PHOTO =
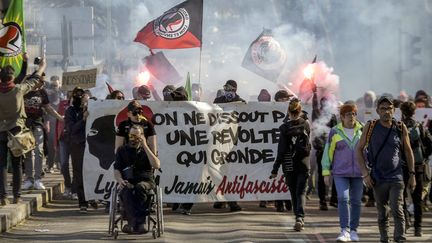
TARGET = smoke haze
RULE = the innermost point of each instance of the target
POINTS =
(367, 44)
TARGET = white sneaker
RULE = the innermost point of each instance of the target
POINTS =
(27, 185)
(67, 193)
(74, 196)
(354, 236)
(344, 236)
(38, 185)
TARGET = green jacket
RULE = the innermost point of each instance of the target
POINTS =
(12, 112)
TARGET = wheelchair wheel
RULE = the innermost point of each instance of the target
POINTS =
(112, 211)
(160, 212)
(115, 233)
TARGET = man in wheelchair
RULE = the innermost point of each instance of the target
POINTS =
(133, 171)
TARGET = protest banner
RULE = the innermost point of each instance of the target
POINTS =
(83, 78)
(208, 152)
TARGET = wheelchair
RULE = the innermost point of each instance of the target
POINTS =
(154, 213)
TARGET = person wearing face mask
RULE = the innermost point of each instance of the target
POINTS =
(133, 171)
(230, 93)
(74, 133)
(167, 91)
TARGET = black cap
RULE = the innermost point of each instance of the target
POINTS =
(169, 88)
(134, 105)
(282, 94)
(385, 98)
(230, 85)
(77, 90)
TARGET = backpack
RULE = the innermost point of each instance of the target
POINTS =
(299, 139)
(415, 135)
(372, 126)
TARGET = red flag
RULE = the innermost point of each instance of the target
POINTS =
(159, 66)
(179, 27)
(265, 56)
(110, 88)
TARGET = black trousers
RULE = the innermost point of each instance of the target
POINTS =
(77, 156)
(297, 183)
(16, 169)
(416, 196)
(136, 202)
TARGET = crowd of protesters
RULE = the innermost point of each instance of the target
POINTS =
(357, 152)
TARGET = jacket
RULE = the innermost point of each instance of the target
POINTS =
(12, 111)
(340, 153)
(74, 130)
(293, 157)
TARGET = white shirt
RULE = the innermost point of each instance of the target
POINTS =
(349, 132)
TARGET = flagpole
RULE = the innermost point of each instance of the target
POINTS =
(199, 69)
(202, 20)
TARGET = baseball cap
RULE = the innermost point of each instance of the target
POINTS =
(134, 105)
(282, 94)
(385, 98)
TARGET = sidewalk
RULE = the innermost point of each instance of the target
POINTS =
(32, 200)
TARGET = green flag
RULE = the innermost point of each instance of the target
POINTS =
(188, 87)
(12, 36)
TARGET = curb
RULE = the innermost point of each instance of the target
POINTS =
(32, 200)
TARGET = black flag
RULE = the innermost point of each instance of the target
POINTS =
(265, 57)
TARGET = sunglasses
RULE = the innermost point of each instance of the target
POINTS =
(137, 112)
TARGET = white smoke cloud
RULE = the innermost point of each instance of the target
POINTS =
(364, 42)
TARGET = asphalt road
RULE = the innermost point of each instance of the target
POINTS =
(60, 221)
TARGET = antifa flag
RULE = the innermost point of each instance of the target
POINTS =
(265, 57)
(12, 36)
(179, 27)
(159, 66)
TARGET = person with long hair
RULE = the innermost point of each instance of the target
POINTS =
(293, 154)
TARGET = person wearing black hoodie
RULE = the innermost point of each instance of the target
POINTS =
(74, 133)
(230, 95)
(12, 120)
(293, 154)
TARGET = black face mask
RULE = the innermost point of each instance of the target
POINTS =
(76, 102)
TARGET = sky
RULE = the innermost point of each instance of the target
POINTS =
(367, 45)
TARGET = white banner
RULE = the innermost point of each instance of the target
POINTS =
(208, 152)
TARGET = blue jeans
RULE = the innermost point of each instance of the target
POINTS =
(349, 193)
(34, 159)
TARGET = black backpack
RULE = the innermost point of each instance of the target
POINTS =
(299, 139)
(416, 143)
